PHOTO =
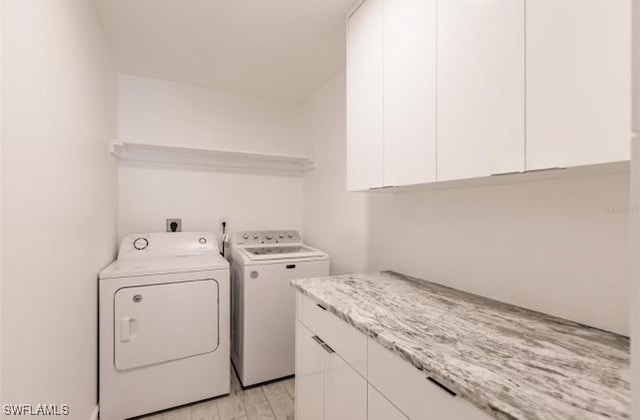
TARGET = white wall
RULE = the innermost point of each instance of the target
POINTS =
(334, 220)
(635, 276)
(557, 246)
(149, 194)
(554, 246)
(635, 195)
(0, 199)
(176, 114)
(59, 210)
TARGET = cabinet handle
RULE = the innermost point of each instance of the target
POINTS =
(554, 168)
(529, 171)
(327, 348)
(507, 173)
(386, 187)
(450, 392)
(321, 307)
(324, 345)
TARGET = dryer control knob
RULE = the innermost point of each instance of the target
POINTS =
(281, 235)
(245, 236)
(140, 244)
(268, 237)
(256, 236)
(290, 235)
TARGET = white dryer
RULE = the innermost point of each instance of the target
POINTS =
(164, 324)
(263, 302)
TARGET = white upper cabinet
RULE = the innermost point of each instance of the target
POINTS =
(578, 82)
(364, 97)
(442, 90)
(481, 88)
(410, 30)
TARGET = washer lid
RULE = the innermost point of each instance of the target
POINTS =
(281, 252)
(168, 265)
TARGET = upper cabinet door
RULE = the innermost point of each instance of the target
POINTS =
(481, 88)
(578, 82)
(364, 97)
(409, 91)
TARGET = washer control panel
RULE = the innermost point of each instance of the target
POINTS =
(259, 237)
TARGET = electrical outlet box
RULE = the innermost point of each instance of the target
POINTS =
(174, 225)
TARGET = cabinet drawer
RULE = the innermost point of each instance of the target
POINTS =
(344, 339)
(410, 390)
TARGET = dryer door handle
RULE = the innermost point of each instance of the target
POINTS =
(128, 329)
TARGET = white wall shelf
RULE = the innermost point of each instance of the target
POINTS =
(217, 159)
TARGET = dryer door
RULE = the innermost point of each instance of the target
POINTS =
(163, 322)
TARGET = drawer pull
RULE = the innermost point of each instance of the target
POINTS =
(321, 307)
(324, 345)
(327, 348)
(290, 266)
(450, 392)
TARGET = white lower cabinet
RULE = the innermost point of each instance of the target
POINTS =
(413, 392)
(345, 391)
(332, 386)
(309, 376)
(381, 409)
(327, 387)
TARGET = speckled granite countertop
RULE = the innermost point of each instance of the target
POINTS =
(511, 362)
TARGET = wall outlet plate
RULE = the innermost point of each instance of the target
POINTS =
(174, 225)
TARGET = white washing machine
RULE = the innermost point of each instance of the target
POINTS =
(263, 302)
(164, 324)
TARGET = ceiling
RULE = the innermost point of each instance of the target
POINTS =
(281, 49)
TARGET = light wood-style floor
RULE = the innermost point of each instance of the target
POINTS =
(274, 401)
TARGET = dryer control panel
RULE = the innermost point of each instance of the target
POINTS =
(159, 245)
(264, 237)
